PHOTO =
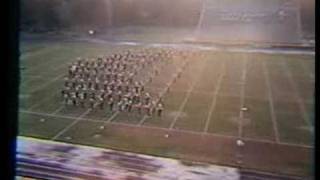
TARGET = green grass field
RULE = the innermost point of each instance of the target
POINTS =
(202, 114)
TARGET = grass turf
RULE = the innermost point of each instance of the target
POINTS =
(41, 84)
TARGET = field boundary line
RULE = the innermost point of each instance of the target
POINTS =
(214, 98)
(165, 129)
(195, 81)
(271, 105)
(242, 96)
(297, 96)
(70, 125)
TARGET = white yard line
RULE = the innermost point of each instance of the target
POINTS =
(32, 76)
(112, 117)
(161, 95)
(30, 55)
(299, 22)
(41, 87)
(203, 10)
(72, 124)
(183, 104)
(271, 105)
(25, 79)
(57, 110)
(145, 117)
(297, 96)
(214, 98)
(56, 115)
(183, 91)
(165, 129)
(142, 120)
(53, 68)
(40, 101)
(242, 96)
(47, 83)
(305, 68)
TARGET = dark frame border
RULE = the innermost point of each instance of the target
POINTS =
(10, 66)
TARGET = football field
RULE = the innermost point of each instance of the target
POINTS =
(266, 100)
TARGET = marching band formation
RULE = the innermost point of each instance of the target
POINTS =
(111, 81)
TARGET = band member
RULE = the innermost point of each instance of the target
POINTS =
(147, 98)
(136, 87)
(101, 102)
(119, 95)
(119, 105)
(139, 107)
(129, 105)
(85, 94)
(111, 104)
(63, 92)
(153, 107)
(147, 108)
(92, 102)
(82, 100)
(73, 98)
(159, 109)
(66, 82)
(66, 97)
(126, 87)
(105, 84)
